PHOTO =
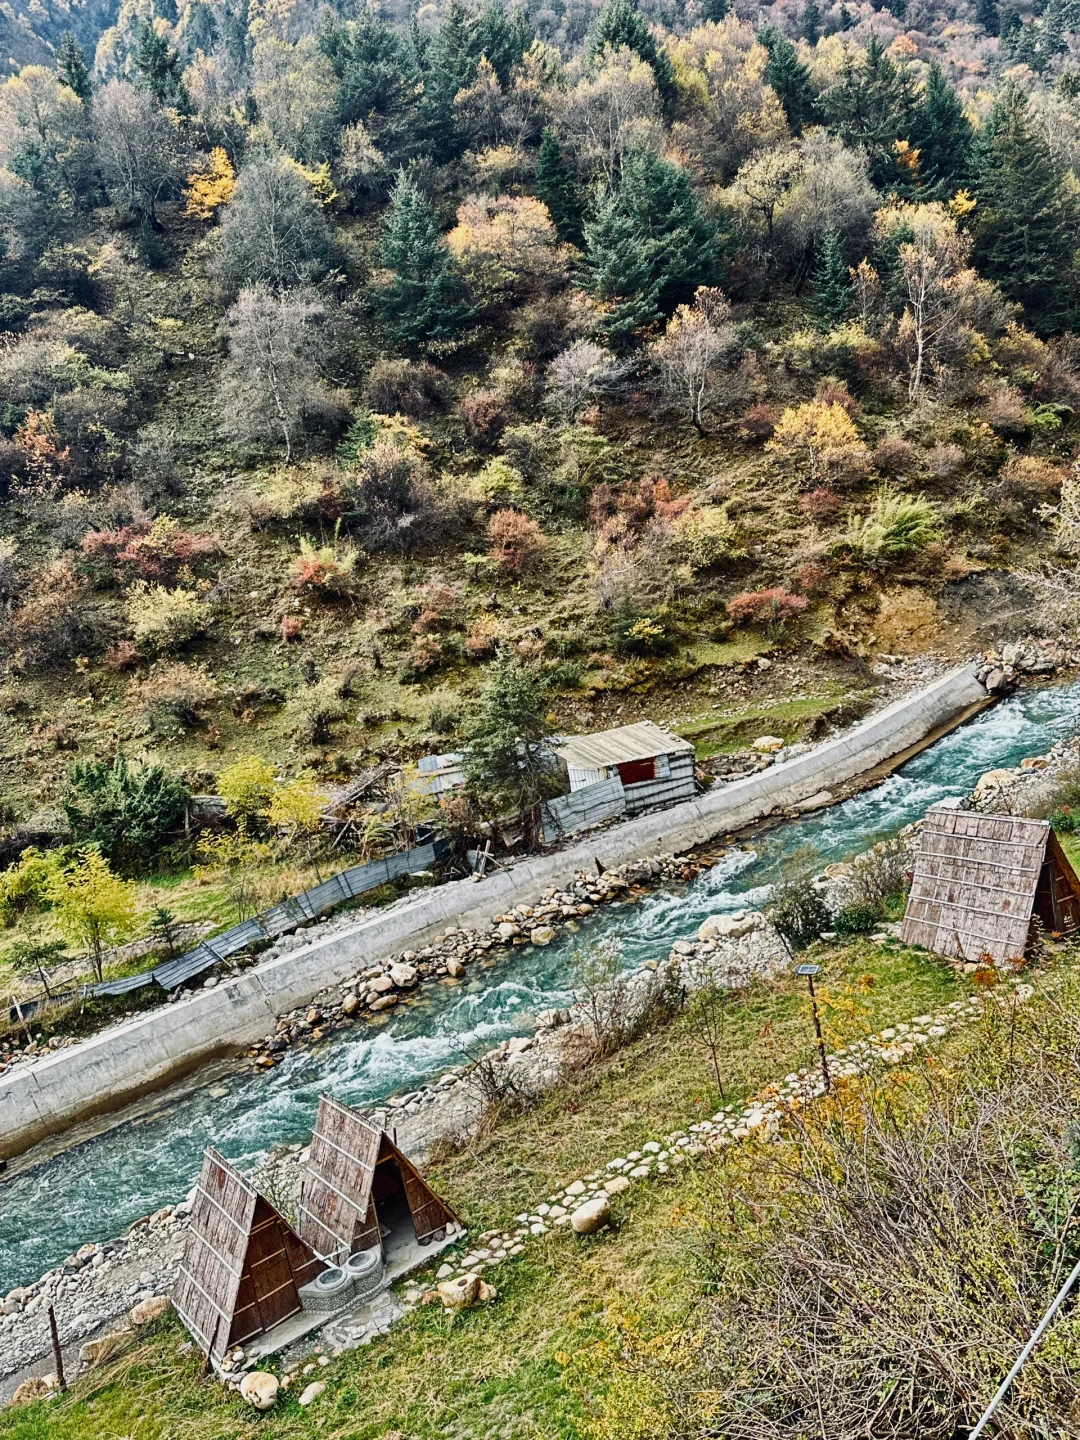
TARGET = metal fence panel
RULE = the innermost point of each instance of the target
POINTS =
(587, 806)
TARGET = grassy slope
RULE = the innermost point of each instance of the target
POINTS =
(500, 1372)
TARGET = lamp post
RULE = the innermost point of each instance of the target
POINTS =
(810, 971)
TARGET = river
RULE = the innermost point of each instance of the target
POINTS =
(93, 1190)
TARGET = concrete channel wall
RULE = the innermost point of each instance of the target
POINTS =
(109, 1070)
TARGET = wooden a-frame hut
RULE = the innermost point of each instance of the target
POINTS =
(981, 881)
(359, 1188)
(243, 1265)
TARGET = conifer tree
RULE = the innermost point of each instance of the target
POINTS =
(449, 66)
(424, 300)
(158, 69)
(649, 246)
(831, 294)
(871, 107)
(71, 66)
(986, 13)
(789, 77)
(1027, 218)
(943, 136)
(811, 22)
(621, 24)
(376, 77)
(714, 10)
(557, 187)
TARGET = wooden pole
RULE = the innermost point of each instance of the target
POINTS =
(57, 1354)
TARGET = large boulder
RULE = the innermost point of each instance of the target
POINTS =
(404, 976)
(464, 1292)
(591, 1216)
(259, 1388)
(992, 781)
(149, 1309)
(729, 927)
(542, 935)
(96, 1352)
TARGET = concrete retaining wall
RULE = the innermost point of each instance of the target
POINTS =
(115, 1067)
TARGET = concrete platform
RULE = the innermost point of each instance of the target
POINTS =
(403, 1255)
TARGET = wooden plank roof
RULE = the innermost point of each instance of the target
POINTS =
(973, 890)
(210, 1272)
(336, 1197)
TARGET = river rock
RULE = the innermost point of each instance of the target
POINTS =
(350, 1004)
(312, 1392)
(992, 780)
(591, 1216)
(542, 935)
(507, 930)
(404, 976)
(729, 927)
(149, 1309)
(260, 1388)
(381, 984)
(616, 1185)
(455, 969)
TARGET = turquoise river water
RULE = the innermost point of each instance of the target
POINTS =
(92, 1190)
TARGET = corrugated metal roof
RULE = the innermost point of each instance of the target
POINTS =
(642, 741)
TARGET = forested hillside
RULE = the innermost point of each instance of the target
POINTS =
(342, 354)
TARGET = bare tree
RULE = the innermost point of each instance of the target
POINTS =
(138, 148)
(270, 383)
(697, 338)
(582, 374)
(273, 229)
(611, 111)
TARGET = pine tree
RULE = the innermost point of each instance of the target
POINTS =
(1027, 218)
(424, 301)
(871, 107)
(649, 246)
(557, 187)
(714, 10)
(620, 24)
(376, 80)
(943, 136)
(158, 69)
(811, 22)
(508, 761)
(828, 303)
(789, 77)
(71, 66)
(502, 39)
(986, 13)
(450, 61)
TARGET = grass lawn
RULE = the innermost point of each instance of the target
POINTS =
(729, 730)
(502, 1371)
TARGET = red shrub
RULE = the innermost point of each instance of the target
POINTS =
(154, 552)
(759, 421)
(124, 655)
(516, 541)
(820, 504)
(835, 392)
(810, 577)
(485, 413)
(291, 628)
(765, 607)
(894, 456)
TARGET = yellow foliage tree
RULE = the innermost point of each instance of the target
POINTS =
(506, 246)
(820, 435)
(295, 812)
(247, 787)
(93, 907)
(211, 187)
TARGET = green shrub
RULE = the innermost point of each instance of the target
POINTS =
(857, 918)
(897, 527)
(125, 811)
(798, 912)
(162, 620)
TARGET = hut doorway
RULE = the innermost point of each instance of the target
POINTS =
(392, 1207)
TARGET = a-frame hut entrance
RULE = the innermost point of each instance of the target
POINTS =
(981, 881)
(243, 1265)
(360, 1192)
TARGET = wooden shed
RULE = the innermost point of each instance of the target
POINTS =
(655, 767)
(359, 1191)
(243, 1265)
(980, 882)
